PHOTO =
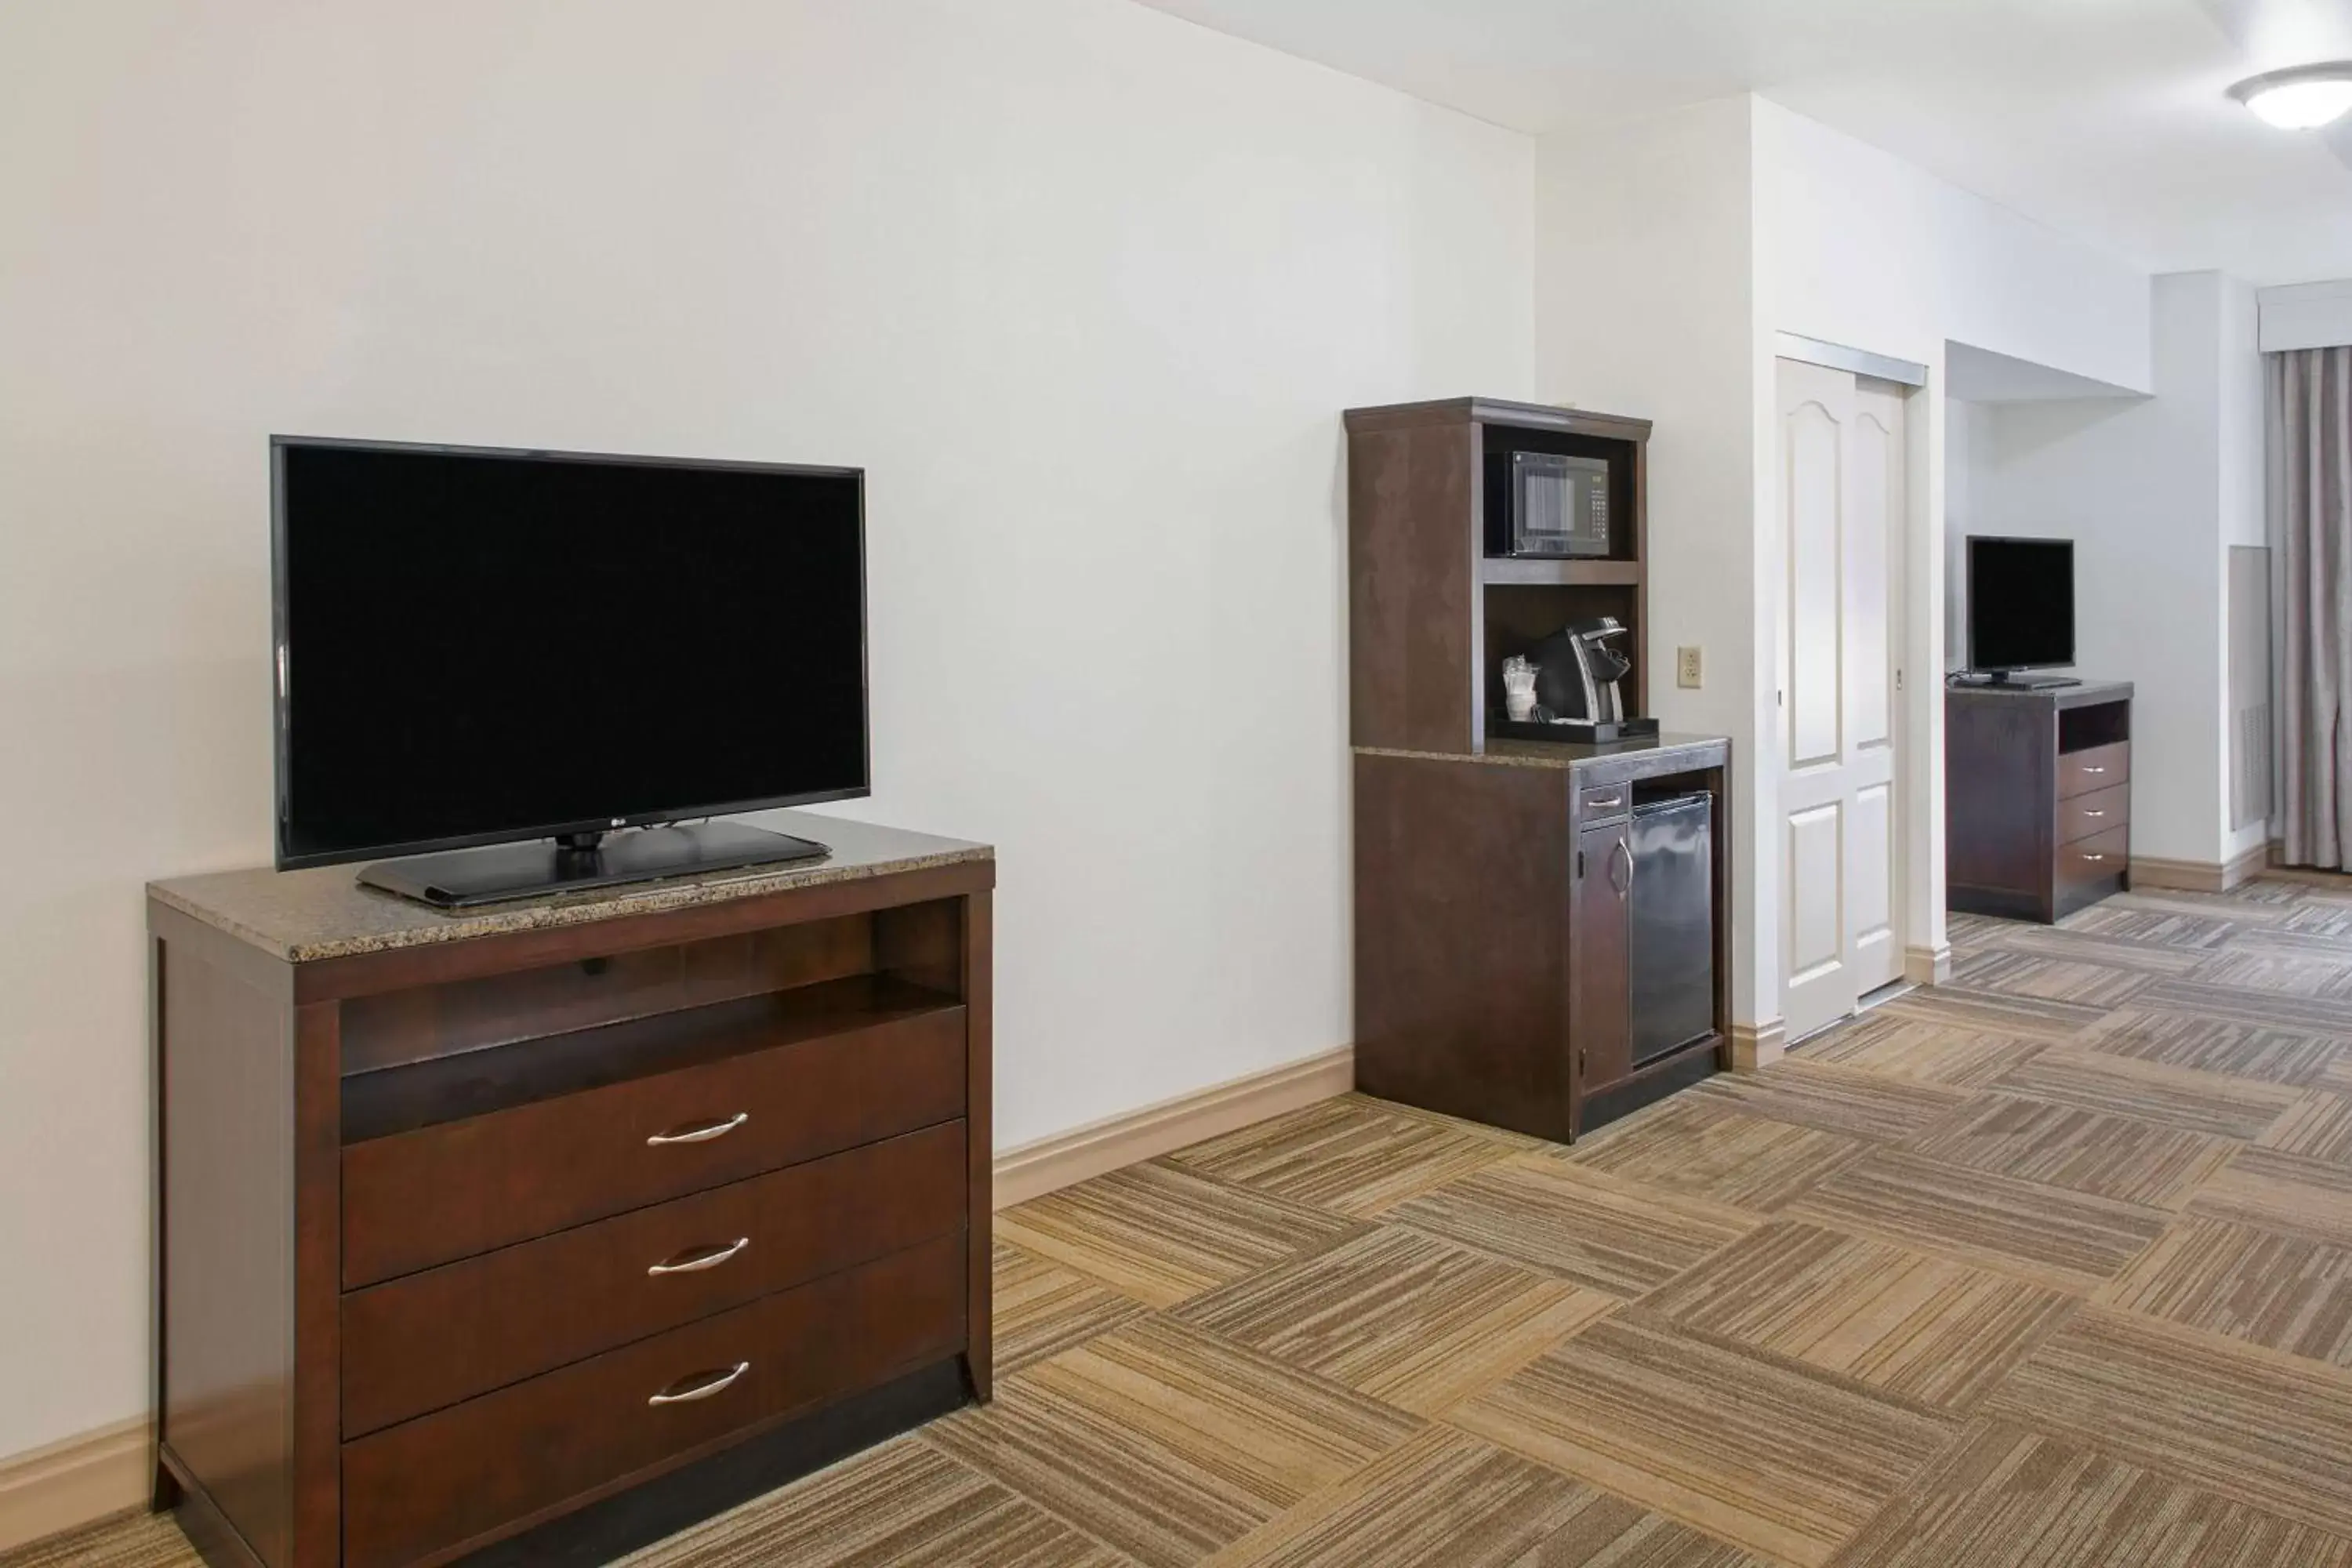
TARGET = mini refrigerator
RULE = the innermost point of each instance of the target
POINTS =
(1671, 951)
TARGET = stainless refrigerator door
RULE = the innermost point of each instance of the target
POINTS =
(1673, 953)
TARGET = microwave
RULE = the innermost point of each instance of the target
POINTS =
(1552, 505)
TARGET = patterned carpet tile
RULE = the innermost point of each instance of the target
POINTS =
(2260, 1428)
(1162, 1233)
(139, 1539)
(1044, 1309)
(2216, 1045)
(1777, 1459)
(1446, 1499)
(1704, 1149)
(1807, 1092)
(2185, 1097)
(2010, 1497)
(2090, 1152)
(1923, 1328)
(902, 1504)
(2281, 1192)
(2077, 945)
(1441, 1497)
(2238, 914)
(2068, 1241)
(1978, 1011)
(1591, 1229)
(1347, 1155)
(2242, 1004)
(2121, 920)
(2268, 970)
(2009, 972)
(2286, 1293)
(2320, 1127)
(1414, 1322)
(1891, 1046)
(1166, 1443)
(2327, 942)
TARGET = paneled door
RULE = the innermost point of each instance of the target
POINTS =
(1841, 466)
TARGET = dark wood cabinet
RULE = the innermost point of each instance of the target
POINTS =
(1492, 975)
(2037, 788)
(534, 1233)
(1496, 939)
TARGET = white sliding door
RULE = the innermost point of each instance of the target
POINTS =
(1841, 464)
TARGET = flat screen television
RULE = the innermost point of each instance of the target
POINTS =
(2020, 604)
(486, 648)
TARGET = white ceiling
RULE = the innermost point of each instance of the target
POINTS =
(2104, 119)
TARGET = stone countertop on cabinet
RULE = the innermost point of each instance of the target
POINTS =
(322, 912)
(1657, 755)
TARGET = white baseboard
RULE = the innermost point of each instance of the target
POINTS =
(1928, 965)
(1755, 1046)
(2199, 876)
(82, 1479)
(76, 1481)
(1050, 1164)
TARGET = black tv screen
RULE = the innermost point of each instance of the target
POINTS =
(476, 646)
(2020, 604)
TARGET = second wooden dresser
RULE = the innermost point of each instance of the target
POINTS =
(2037, 798)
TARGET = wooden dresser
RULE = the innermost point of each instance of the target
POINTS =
(532, 1234)
(2037, 792)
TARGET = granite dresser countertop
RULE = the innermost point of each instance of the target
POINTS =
(323, 912)
(1663, 749)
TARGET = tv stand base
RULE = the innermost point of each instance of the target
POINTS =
(463, 879)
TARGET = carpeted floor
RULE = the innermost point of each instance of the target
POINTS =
(2051, 1266)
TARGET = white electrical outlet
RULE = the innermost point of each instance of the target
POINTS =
(1690, 667)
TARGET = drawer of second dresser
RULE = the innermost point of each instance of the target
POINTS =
(2101, 811)
(414, 1199)
(2100, 767)
(435, 1338)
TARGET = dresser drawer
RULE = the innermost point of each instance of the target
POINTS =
(2100, 767)
(463, 1475)
(414, 1199)
(433, 1339)
(2101, 811)
(1603, 801)
(2096, 858)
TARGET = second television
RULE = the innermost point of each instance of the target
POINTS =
(2021, 604)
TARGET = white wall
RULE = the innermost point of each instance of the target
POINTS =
(1857, 247)
(1084, 287)
(2153, 491)
(1644, 306)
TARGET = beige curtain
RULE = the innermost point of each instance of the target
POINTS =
(2310, 488)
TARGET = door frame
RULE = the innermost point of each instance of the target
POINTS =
(1916, 836)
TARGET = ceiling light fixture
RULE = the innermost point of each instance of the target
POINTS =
(2302, 98)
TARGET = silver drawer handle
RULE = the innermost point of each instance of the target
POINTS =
(685, 1391)
(2095, 813)
(2095, 770)
(701, 1132)
(1609, 804)
(2094, 857)
(699, 1259)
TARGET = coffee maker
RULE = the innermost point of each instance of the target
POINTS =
(1576, 698)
